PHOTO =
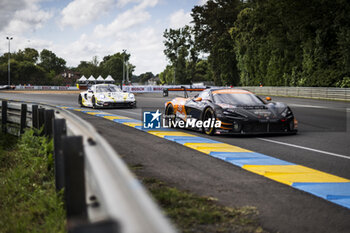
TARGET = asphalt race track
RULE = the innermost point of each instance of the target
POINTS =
(322, 144)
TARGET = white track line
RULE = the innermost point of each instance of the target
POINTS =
(306, 148)
(315, 106)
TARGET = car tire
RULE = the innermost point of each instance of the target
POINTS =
(93, 101)
(170, 115)
(208, 114)
(80, 101)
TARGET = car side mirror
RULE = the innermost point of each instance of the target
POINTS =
(268, 98)
(198, 99)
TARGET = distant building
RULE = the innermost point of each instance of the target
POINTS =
(69, 77)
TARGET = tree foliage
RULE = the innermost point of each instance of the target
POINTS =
(50, 62)
(212, 23)
(269, 42)
(181, 52)
(27, 69)
(293, 43)
(110, 65)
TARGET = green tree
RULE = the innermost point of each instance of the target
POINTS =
(167, 76)
(143, 78)
(113, 65)
(212, 23)
(28, 54)
(89, 68)
(202, 71)
(181, 52)
(50, 62)
(283, 42)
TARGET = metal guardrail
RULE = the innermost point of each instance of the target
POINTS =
(330, 93)
(101, 194)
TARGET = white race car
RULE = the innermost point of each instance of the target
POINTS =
(106, 96)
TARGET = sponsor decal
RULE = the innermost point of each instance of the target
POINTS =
(157, 88)
(134, 89)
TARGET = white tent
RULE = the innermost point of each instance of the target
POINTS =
(91, 79)
(100, 79)
(109, 79)
(82, 79)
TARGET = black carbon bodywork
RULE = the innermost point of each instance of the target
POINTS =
(261, 118)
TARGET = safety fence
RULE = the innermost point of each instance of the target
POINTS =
(62, 88)
(331, 93)
(305, 92)
(100, 193)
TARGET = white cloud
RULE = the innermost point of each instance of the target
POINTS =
(21, 42)
(82, 12)
(202, 2)
(22, 17)
(179, 19)
(127, 31)
(7, 9)
(82, 49)
(146, 48)
(125, 21)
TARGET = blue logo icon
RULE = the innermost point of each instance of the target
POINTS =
(151, 120)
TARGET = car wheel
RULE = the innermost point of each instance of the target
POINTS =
(170, 115)
(207, 115)
(80, 101)
(93, 101)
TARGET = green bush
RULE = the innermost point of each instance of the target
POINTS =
(28, 200)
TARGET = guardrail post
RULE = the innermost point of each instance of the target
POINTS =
(41, 118)
(59, 130)
(49, 115)
(4, 116)
(23, 118)
(35, 116)
(74, 176)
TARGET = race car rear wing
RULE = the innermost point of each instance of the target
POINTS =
(182, 88)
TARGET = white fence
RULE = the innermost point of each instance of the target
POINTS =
(305, 92)
(62, 88)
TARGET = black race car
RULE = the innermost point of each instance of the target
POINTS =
(231, 111)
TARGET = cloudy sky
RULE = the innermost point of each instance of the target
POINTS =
(77, 30)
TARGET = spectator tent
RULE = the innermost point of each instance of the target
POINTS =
(91, 80)
(109, 79)
(100, 79)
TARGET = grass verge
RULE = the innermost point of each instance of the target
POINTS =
(28, 200)
(192, 213)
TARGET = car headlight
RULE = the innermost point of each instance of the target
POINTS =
(131, 96)
(101, 97)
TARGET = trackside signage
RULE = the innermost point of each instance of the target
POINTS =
(157, 120)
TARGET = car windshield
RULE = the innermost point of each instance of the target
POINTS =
(237, 99)
(108, 88)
